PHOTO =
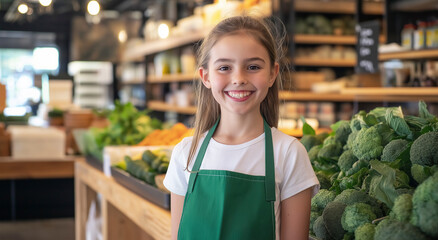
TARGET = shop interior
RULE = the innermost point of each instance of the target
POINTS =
(89, 88)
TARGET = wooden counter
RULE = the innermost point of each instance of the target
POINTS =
(125, 215)
(36, 169)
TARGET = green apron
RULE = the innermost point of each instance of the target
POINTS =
(221, 204)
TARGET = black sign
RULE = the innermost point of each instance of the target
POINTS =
(367, 47)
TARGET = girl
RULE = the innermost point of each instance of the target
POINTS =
(239, 177)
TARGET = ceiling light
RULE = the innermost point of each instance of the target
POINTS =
(45, 3)
(23, 8)
(163, 31)
(93, 7)
(122, 36)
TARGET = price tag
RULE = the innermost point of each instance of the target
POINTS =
(367, 47)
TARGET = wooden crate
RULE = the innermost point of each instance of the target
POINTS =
(2, 97)
(304, 80)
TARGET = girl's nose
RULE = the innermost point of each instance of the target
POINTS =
(239, 78)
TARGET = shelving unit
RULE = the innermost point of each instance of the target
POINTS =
(343, 7)
(324, 62)
(328, 39)
(415, 6)
(172, 78)
(410, 55)
(162, 106)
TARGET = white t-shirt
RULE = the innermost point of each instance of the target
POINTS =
(293, 171)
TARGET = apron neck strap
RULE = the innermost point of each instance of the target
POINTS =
(269, 161)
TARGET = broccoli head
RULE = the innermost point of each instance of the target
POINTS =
(320, 200)
(332, 216)
(330, 151)
(320, 230)
(351, 196)
(313, 216)
(393, 150)
(424, 150)
(343, 132)
(365, 232)
(324, 181)
(350, 140)
(421, 173)
(356, 215)
(402, 208)
(425, 206)
(309, 141)
(313, 153)
(346, 160)
(389, 229)
(322, 136)
(358, 165)
(368, 144)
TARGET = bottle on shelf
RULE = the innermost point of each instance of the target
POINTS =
(429, 80)
(407, 35)
(419, 35)
(415, 82)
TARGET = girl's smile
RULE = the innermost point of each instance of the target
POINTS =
(239, 96)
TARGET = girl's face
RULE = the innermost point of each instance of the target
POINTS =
(239, 74)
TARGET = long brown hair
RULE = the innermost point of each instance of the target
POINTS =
(264, 31)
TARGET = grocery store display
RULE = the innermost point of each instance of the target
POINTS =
(170, 136)
(378, 174)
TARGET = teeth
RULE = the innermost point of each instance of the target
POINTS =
(239, 94)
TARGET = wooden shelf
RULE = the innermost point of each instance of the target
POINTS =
(415, 6)
(164, 107)
(376, 94)
(132, 82)
(324, 62)
(410, 55)
(137, 52)
(172, 78)
(345, 7)
(329, 39)
(11, 168)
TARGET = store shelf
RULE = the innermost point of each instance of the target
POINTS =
(164, 107)
(311, 96)
(410, 55)
(11, 168)
(137, 52)
(415, 6)
(301, 61)
(375, 94)
(328, 39)
(172, 78)
(347, 7)
(132, 82)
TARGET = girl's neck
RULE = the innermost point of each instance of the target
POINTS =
(236, 129)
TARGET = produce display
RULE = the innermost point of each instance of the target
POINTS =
(170, 136)
(147, 165)
(320, 24)
(378, 175)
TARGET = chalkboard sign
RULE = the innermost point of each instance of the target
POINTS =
(367, 47)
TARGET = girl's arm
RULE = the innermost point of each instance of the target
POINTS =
(175, 212)
(295, 216)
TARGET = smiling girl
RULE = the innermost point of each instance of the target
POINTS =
(239, 177)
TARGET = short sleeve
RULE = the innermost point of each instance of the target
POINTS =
(176, 177)
(298, 173)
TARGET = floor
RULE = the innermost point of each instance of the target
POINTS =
(48, 229)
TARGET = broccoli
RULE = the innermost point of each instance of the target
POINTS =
(313, 216)
(351, 196)
(332, 216)
(343, 132)
(368, 144)
(365, 232)
(402, 208)
(424, 150)
(393, 150)
(328, 140)
(358, 165)
(346, 160)
(320, 200)
(389, 229)
(421, 173)
(350, 140)
(309, 141)
(356, 215)
(313, 153)
(324, 181)
(330, 151)
(357, 121)
(320, 230)
(322, 136)
(425, 206)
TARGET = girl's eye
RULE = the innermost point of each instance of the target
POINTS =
(223, 68)
(253, 67)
